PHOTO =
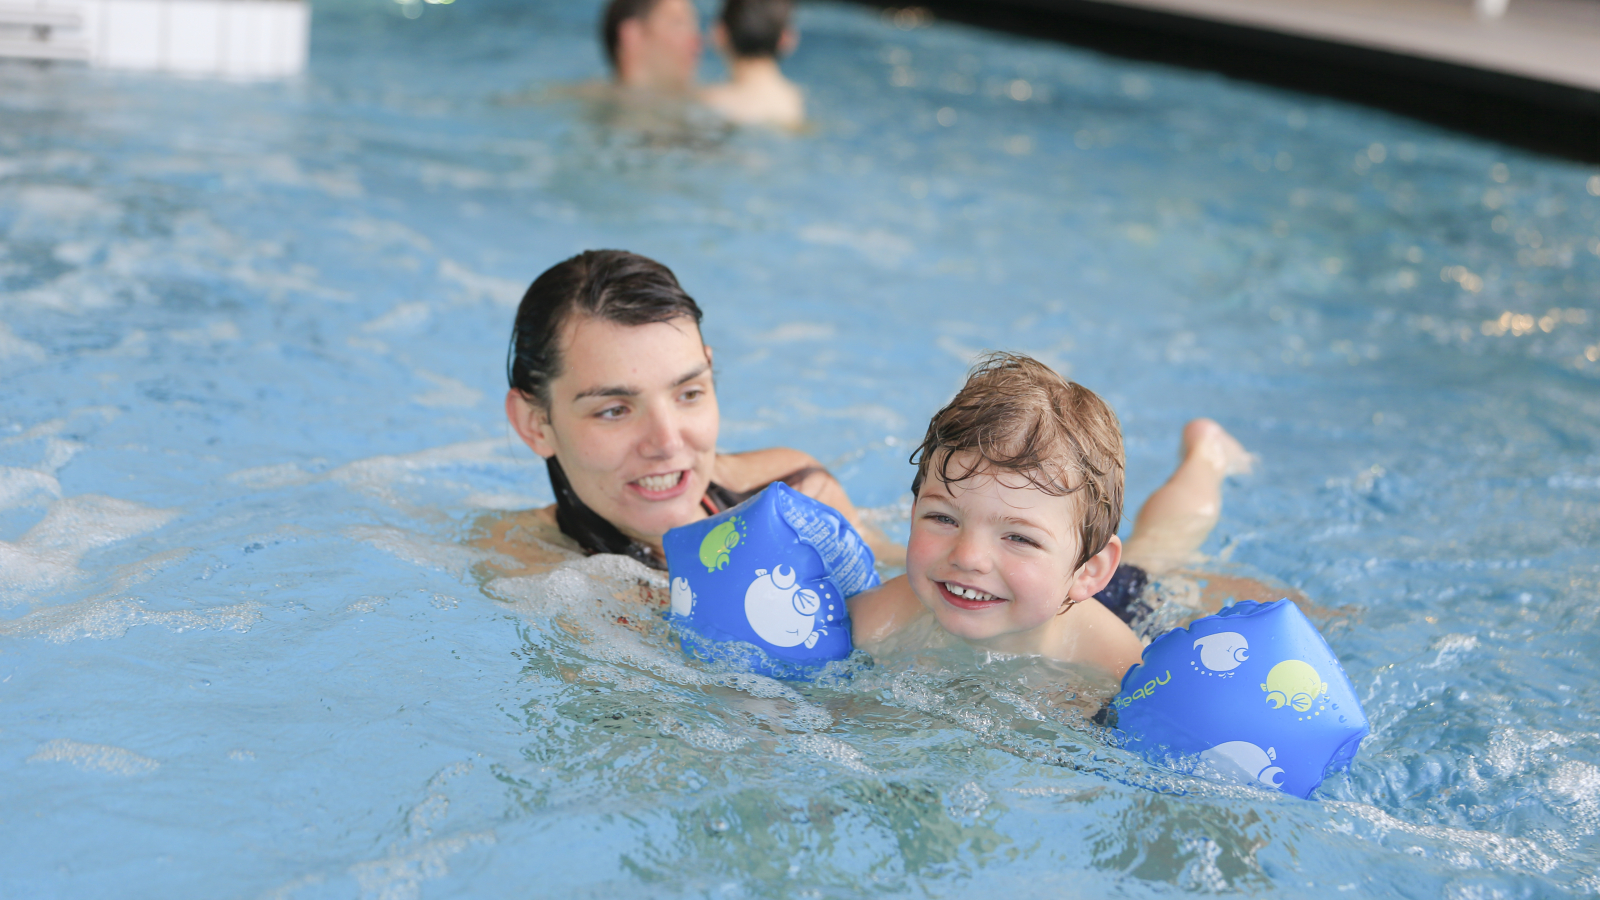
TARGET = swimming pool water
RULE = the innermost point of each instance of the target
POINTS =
(251, 343)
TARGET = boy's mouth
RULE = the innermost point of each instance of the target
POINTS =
(660, 487)
(962, 597)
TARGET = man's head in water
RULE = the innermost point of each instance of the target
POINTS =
(755, 29)
(1018, 496)
(610, 379)
(652, 44)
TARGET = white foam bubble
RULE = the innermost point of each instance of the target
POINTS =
(1577, 786)
(16, 349)
(478, 287)
(831, 749)
(967, 802)
(94, 757)
(273, 476)
(503, 501)
(446, 392)
(879, 247)
(703, 737)
(378, 475)
(399, 875)
(457, 559)
(21, 487)
(79, 524)
(1513, 752)
(1201, 873)
(588, 599)
(1451, 647)
(366, 605)
(404, 317)
(383, 232)
(43, 207)
(1470, 846)
(47, 556)
(790, 332)
(107, 619)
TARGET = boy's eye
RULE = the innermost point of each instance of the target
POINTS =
(693, 394)
(941, 518)
(1019, 539)
(612, 412)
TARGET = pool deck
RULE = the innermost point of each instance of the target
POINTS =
(1528, 78)
(1556, 41)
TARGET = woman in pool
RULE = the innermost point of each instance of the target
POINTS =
(611, 383)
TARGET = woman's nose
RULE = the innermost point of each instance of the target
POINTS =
(663, 435)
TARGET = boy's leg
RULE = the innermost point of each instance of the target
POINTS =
(1179, 516)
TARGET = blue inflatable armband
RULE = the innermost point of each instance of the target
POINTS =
(773, 571)
(1254, 691)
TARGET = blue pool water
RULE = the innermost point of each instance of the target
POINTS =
(251, 357)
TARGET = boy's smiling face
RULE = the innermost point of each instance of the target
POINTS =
(995, 558)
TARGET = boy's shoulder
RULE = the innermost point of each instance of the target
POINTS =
(881, 613)
(1093, 635)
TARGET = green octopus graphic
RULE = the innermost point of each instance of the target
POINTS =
(717, 543)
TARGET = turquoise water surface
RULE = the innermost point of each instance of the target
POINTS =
(251, 362)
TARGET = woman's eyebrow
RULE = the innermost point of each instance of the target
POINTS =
(623, 390)
(695, 373)
(615, 390)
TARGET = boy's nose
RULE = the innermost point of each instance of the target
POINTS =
(969, 554)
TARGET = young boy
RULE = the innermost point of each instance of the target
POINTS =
(751, 35)
(1013, 530)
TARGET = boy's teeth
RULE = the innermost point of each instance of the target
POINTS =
(968, 593)
(660, 482)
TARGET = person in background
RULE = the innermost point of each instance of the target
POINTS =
(751, 35)
(653, 45)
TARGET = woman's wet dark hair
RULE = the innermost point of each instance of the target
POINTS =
(611, 285)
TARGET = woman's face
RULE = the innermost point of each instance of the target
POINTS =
(632, 420)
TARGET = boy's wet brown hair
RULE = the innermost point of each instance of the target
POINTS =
(1016, 415)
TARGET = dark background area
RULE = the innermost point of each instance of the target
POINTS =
(1536, 115)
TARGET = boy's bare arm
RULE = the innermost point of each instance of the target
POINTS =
(878, 614)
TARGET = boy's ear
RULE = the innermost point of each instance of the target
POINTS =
(531, 423)
(789, 41)
(1093, 576)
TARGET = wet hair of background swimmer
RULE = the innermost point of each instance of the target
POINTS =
(755, 27)
(617, 12)
(611, 285)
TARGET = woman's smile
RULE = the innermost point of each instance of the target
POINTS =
(661, 487)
